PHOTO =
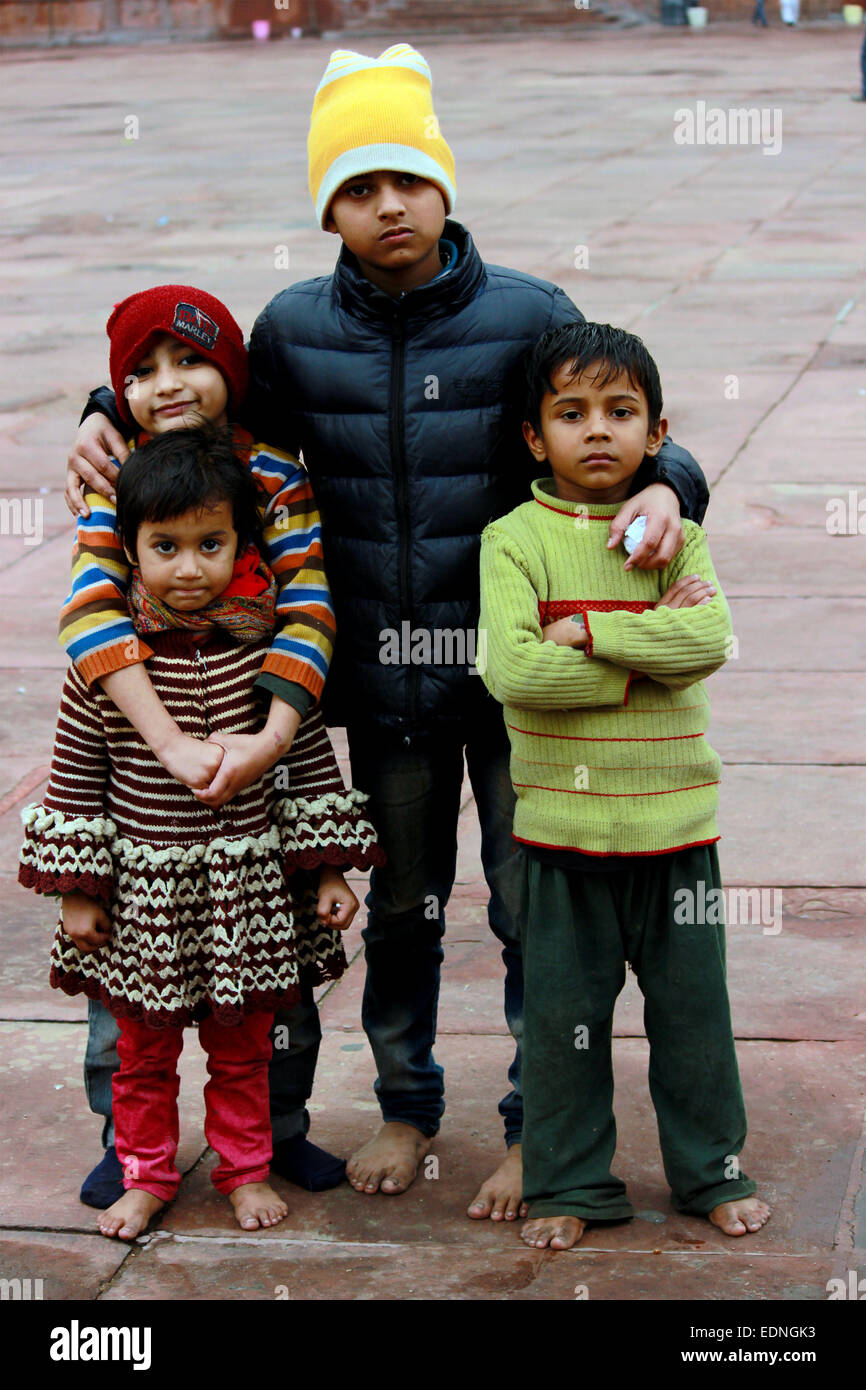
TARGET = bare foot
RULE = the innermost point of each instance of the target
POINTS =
(257, 1204)
(740, 1216)
(559, 1232)
(389, 1162)
(500, 1196)
(129, 1215)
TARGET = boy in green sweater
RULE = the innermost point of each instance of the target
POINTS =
(599, 666)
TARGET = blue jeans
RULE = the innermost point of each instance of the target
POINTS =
(414, 804)
(296, 1035)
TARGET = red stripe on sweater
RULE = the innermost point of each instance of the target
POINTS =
(583, 738)
(566, 791)
(549, 610)
(583, 515)
(617, 854)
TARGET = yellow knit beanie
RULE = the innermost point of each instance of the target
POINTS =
(376, 113)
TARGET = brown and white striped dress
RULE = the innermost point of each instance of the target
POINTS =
(211, 911)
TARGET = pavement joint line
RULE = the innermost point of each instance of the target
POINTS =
(774, 406)
(105, 1284)
(722, 1254)
(160, 1235)
(54, 1230)
(28, 783)
(142, 1242)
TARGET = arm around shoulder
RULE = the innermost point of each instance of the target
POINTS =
(676, 467)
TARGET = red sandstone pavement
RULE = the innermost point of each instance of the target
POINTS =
(745, 274)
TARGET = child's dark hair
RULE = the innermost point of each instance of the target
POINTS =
(580, 345)
(187, 470)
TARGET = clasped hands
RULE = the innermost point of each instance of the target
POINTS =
(216, 768)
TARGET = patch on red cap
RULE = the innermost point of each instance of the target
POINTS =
(192, 323)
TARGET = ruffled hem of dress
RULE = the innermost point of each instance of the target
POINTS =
(353, 856)
(327, 829)
(198, 854)
(45, 820)
(228, 1015)
(66, 854)
(98, 886)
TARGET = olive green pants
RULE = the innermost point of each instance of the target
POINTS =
(579, 929)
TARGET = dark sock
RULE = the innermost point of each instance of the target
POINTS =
(104, 1186)
(306, 1165)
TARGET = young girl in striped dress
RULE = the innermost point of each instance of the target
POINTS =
(175, 912)
(177, 359)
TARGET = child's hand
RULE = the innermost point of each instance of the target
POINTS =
(566, 632)
(687, 592)
(85, 922)
(91, 461)
(246, 758)
(337, 903)
(192, 761)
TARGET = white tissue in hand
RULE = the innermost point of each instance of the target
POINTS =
(634, 534)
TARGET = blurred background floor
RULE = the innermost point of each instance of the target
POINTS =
(744, 272)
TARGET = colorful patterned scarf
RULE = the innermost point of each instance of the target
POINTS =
(245, 608)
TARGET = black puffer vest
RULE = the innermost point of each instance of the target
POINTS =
(408, 415)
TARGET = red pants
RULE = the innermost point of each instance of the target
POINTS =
(237, 1111)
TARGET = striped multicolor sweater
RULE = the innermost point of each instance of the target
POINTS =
(211, 911)
(600, 762)
(97, 631)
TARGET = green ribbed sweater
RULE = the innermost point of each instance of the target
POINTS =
(600, 762)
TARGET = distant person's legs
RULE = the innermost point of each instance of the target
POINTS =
(296, 1036)
(104, 1184)
(414, 792)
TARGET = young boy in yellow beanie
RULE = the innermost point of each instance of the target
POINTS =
(396, 377)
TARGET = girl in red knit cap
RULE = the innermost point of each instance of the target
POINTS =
(178, 359)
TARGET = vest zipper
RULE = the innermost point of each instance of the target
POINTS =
(401, 488)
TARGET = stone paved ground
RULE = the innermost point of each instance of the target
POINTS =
(745, 273)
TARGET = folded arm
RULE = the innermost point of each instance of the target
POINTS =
(675, 646)
(521, 669)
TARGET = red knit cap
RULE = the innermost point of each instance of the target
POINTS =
(192, 315)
